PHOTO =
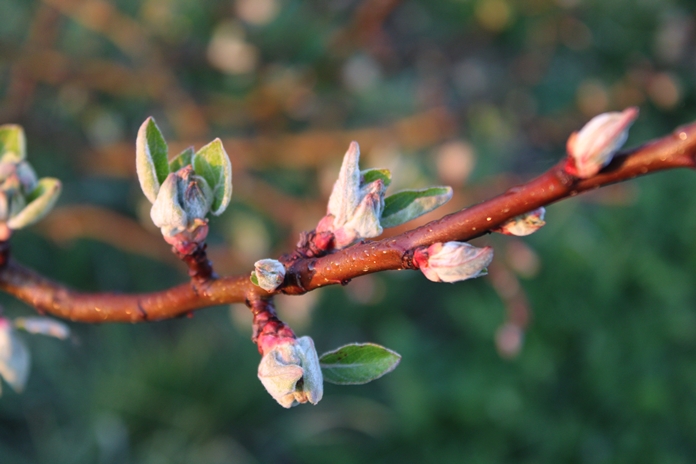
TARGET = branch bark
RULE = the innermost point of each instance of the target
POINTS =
(677, 150)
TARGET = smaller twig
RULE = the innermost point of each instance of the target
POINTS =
(200, 269)
(267, 328)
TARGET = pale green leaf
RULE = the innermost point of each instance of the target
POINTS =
(254, 279)
(12, 143)
(39, 203)
(151, 158)
(371, 175)
(357, 363)
(409, 204)
(212, 163)
(181, 160)
(15, 360)
(43, 326)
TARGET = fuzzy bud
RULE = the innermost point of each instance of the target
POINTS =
(270, 273)
(594, 146)
(524, 224)
(180, 208)
(452, 261)
(354, 208)
(290, 372)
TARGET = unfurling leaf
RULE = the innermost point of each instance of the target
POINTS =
(181, 160)
(409, 204)
(212, 163)
(12, 144)
(151, 158)
(39, 203)
(371, 175)
(357, 363)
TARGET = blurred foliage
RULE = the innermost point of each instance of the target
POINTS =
(473, 93)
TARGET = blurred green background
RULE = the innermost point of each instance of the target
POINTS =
(579, 347)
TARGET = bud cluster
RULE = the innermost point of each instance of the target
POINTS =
(180, 209)
(24, 199)
(184, 190)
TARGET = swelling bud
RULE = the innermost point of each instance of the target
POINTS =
(269, 274)
(452, 261)
(593, 147)
(524, 224)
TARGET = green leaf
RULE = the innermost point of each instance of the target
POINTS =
(212, 163)
(39, 203)
(357, 363)
(254, 279)
(12, 143)
(371, 175)
(151, 158)
(409, 204)
(181, 160)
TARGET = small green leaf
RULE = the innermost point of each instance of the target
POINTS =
(254, 279)
(409, 204)
(39, 203)
(12, 143)
(181, 160)
(371, 175)
(357, 363)
(212, 163)
(151, 158)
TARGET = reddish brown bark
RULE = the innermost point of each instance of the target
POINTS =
(677, 150)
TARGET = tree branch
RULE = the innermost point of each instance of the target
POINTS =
(677, 150)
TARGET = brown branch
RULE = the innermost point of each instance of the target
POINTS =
(677, 150)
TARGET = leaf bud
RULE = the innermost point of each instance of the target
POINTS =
(594, 146)
(270, 273)
(524, 224)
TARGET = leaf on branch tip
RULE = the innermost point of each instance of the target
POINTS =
(254, 279)
(212, 163)
(371, 175)
(40, 202)
(409, 204)
(151, 158)
(358, 363)
(181, 160)
(12, 143)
